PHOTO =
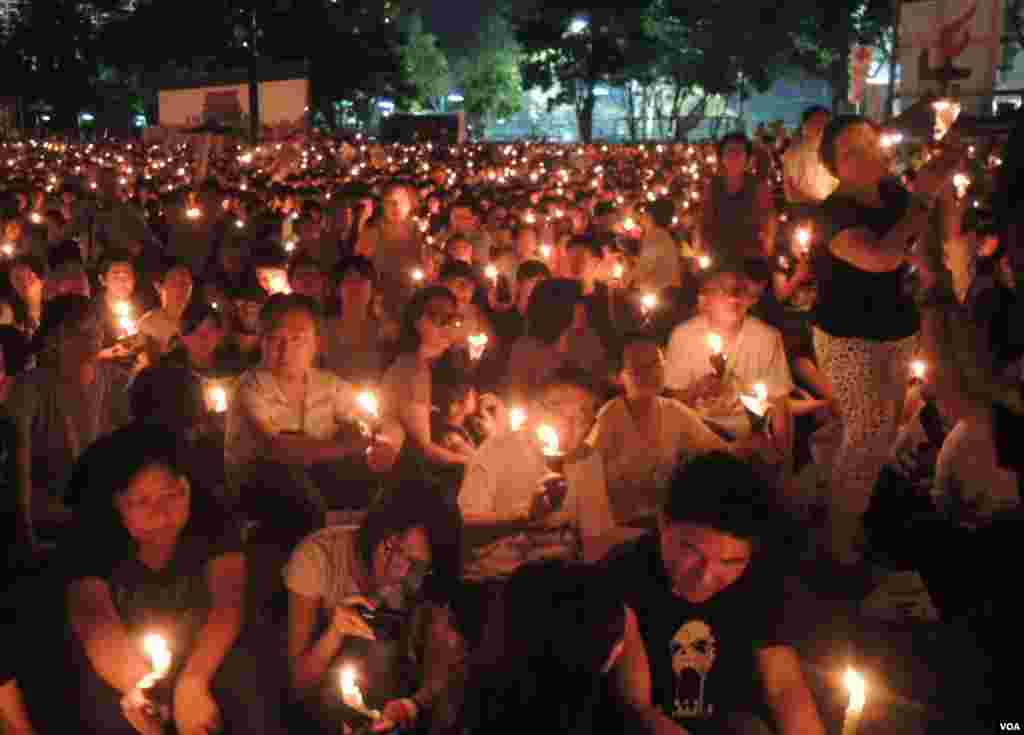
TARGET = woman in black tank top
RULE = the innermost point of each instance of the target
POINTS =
(866, 322)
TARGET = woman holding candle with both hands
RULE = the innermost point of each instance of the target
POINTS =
(170, 564)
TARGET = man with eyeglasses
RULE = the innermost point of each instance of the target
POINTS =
(511, 515)
(752, 357)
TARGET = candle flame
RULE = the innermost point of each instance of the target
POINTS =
(704, 261)
(919, 368)
(549, 439)
(628, 223)
(618, 271)
(649, 301)
(159, 654)
(491, 272)
(218, 399)
(418, 275)
(369, 403)
(761, 392)
(193, 213)
(516, 418)
(803, 237)
(478, 340)
(715, 343)
(857, 689)
(36, 218)
(545, 251)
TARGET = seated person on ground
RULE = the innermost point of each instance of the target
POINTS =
(346, 588)
(696, 651)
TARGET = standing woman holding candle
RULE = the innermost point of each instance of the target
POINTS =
(170, 564)
(866, 322)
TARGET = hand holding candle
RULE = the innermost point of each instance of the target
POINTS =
(491, 273)
(477, 346)
(217, 399)
(757, 406)
(718, 357)
(648, 303)
(555, 485)
(369, 405)
(352, 695)
(918, 371)
(125, 322)
(857, 689)
(803, 236)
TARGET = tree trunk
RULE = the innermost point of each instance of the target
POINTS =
(585, 112)
(630, 110)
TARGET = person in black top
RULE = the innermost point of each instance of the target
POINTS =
(705, 644)
(865, 321)
(156, 555)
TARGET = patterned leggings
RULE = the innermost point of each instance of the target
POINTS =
(869, 379)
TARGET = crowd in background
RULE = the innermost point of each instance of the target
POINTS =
(519, 433)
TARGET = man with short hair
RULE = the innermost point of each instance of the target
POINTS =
(705, 644)
(805, 178)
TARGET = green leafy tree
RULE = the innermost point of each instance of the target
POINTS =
(426, 66)
(573, 47)
(489, 73)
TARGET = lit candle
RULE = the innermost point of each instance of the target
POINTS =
(491, 272)
(757, 405)
(548, 440)
(352, 696)
(545, 251)
(718, 357)
(368, 402)
(918, 369)
(648, 302)
(123, 312)
(418, 276)
(704, 261)
(37, 219)
(516, 418)
(618, 271)
(962, 182)
(477, 346)
(628, 223)
(7, 249)
(279, 283)
(159, 654)
(857, 689)
(239, 223)
(803, 239)
(193, 213)
(289, 245)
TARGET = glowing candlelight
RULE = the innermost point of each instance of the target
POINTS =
(159, 654)
(123, 311)
(37, 219)
(618, 271)
(718, 357)
(704, 261)
(857, 689)
(715, 343)
(918, 369)
(217, 399)
(239, 223)
(418, 276)
(289, 245)
(368, 402)
(545, 251)
(193, 213)
(962, 182)
(279, 283)
(516, 418)
(491, 272)
(549, 440)
(648, 302)
(352, 696)
(477, 346)
(803, 239)
(628, 223)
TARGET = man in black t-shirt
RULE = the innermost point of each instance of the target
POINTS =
(704, 645)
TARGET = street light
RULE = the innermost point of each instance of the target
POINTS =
(578, 25)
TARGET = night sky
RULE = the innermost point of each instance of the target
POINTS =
(454, 21)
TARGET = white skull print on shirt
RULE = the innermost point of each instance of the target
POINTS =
(693, 650)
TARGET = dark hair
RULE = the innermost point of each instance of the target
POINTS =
(757, 270)
(735, 137)
(525, 673)
(812, 111)
(409, 336)
(570, 375)
(359, 264)
(456, 269)
(398, 513)
(588, 243)
(63, 253)
(116, 256)
(662, 211)
(720, 267)
(551, 310)
(106, 469)
(532, 269)
(167, 396)
(169, 264)
(248, 292)
(721, 492)
(33, 262)
(835, 128)
(279, 305)
(15, 349)
(196, 313)
(1009, 190)
(66, 310)
(304, 261)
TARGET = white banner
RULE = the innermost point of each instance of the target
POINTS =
(950, 46)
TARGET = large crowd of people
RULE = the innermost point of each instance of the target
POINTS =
(443, 438)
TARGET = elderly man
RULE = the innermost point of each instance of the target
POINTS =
(291, 426)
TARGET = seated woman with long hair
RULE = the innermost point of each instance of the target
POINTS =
(549, 640)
